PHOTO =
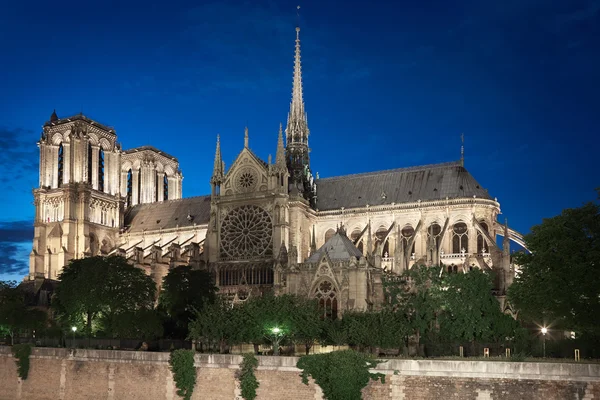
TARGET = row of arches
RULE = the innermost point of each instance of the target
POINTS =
(459, 232)
(160, 179)
(99, 162)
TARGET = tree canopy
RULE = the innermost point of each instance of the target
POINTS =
(94, 292)
(559, 282)
(15, 314)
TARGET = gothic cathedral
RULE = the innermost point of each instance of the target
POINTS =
(266, 226)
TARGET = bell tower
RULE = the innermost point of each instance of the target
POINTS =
(78, 208)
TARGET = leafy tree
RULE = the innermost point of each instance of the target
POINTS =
(559, 282)
(217, 324)
(415, 295)
(15, 315)
(185, 290)
(142, 324)
(99, 289)
(469, 310)
(307, 325)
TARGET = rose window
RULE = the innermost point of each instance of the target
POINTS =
(246, 180)
(246, 232)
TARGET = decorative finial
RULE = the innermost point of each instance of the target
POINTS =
(246, 137)
(462, 149)
(53, 117)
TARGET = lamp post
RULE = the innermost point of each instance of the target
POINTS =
(544, 331)
(74, 329)
(277, 334)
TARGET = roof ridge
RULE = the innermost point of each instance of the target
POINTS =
(404, 169)
(169, 201)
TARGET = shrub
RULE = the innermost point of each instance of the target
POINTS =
(248, 381)
(340, 374)
(22, 352)
(184, 372)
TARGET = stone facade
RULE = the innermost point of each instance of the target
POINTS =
(266, 225)
(103, 374)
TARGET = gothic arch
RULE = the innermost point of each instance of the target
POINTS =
(93, 139)
(169, 171)
(328, 235)
(328, 295)
(126, 166)
(57, 138)
(105, 144)
(460, 237)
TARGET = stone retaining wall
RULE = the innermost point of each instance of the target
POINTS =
(122, 375)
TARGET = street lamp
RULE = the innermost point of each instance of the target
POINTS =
(544, 331)
(74, 329)
(277, 333)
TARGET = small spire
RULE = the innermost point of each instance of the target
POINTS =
(246, 137)
(54, 117)
(462, 149)
(280, 155)
(313, 242)
(218, 165)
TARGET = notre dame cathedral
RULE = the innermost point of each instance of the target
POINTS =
(266, 225)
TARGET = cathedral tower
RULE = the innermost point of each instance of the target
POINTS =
(78, 204)
(296, 131)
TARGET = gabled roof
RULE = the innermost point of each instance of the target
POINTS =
(337, 248)
(168, 214)
(149, 148)
(403, 185)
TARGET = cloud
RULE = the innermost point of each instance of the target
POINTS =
(15, 244)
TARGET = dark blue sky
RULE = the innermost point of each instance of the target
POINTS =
(386, 84)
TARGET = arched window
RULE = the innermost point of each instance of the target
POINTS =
(165, 187)
(129, 187)
(460, 238)
(61, 164)
(354, 237)
(328, 303)
(481, 242)
(89, 163)
(407, 233)
(329, 234)
(379, 238)
(101, 170)
(433, 232)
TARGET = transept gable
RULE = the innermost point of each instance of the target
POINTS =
(247, 174)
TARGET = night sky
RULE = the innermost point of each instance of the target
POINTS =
(386, 85)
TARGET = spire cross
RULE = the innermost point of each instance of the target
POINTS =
(462, 149)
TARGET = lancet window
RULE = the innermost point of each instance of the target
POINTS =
(379, 238)
(407, 233)
(101, 170)
(329, 234)
(61, 164)
(165, 187)
(460, 238)
(89, 163)
(129, 187)
(328, 302)
(481, 242)
(354, 237)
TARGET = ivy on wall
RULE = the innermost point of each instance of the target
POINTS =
(340, 374)
(22, 352)
(184, 372)
(248, 381)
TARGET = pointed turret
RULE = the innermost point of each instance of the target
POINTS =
(313, 242)
(246, 137)
(296, 132)
(280, 155)
(54, 117)
(218, 170)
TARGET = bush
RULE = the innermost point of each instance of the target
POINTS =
(248, 381)
(184, 372)
(340, 374)
(22, 352)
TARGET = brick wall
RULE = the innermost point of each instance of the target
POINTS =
(119, 375)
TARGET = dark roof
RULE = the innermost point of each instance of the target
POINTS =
(337, 248)
(403, 185)
(168, 214)
(151, 148)
(78, 117)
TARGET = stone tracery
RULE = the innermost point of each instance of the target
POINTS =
(246, 231)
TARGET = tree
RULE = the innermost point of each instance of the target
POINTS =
(217, 324)
(415, 295)
(469, 310)
(559, 282)
(15, 315)
(98, 289)
(185, 290)
(307, 325)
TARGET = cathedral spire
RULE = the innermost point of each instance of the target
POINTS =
(246, 137)
(217, 176)
(462, 149)
(280, 155)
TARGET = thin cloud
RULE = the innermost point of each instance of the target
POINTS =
(15, 244)
(19, 155)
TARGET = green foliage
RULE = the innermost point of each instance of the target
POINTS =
(22, 352)
(217, 324)
(183, 291)
(141, 324)
(340, 374)
(95, 291)
(15, 315)
(184, 372)
(470, 312)
(558, 282)
(248, 381)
